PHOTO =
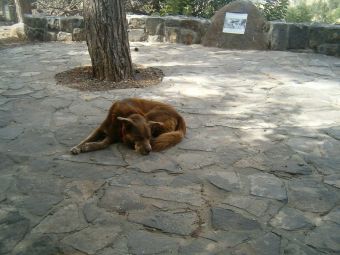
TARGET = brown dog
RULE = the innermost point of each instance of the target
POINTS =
(144, 125)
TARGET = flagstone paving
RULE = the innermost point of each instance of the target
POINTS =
(258, 172)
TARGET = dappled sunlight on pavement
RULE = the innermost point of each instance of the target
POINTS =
(257, 173)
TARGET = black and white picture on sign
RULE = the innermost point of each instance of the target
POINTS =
(235, 23)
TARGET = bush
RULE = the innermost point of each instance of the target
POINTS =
(324, 11)
(274, 9)
(197, 8)
(300, 13)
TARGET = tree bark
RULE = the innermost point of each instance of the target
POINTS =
(107, 39)
(22, 7)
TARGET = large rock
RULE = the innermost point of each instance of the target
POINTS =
(278, 35)
(331, 49)
(18, 30)
(298, 36)
(255, 36)
(321, 34)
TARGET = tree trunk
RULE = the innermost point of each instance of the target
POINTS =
(22, 7)
(107, 39)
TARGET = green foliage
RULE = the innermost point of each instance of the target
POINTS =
(274, 9)
(300, 13)
(324, 11)
(198, 8)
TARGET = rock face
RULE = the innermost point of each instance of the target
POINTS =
(255, 36)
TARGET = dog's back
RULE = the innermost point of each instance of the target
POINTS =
(173, 129)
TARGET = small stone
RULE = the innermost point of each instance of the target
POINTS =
(41, 245)
(295, 248)
(10, 133)
(266, 185)
(5, 183)
(190, 194)
(226, 239)
(268, 244)
(225, 219)
(334, 131)
(121, 200)
(199, 246)
(190, 160)
(291, 219)
(142, 242)
(63, 36)
(13, 228)
(333, 179)
(67, 219)
(19, 92)
(293, 165)
(39, 204)
(93, 238)
(326, 236)
(156, 162)
(310, 195)
(181, 223)
(227, 181)
(253, 205)
(333, 215)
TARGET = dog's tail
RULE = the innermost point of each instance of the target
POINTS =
(169, 139)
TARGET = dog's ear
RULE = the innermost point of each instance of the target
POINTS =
(155, 124)
(127, 120)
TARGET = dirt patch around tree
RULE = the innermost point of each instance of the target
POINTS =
(81, 78)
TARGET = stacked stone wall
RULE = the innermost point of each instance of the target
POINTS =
(323, 39)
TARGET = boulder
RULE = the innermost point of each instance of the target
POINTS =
(137, 35)
(278, 35)
(67, 24)
(18, 30)
(331, 49)
(63, 36)
(136, 21)
(78, 34)
(298, 36)
(51, 36)
(255, 36)
(35, 21)
(320, 34)
(35, 34)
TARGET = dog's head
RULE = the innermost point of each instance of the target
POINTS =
(137, 132)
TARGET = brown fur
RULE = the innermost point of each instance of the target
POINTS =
(142, 124)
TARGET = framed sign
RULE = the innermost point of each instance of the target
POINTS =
(235, 23)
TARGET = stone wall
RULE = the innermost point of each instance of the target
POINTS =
(174, 29)
(323, 39)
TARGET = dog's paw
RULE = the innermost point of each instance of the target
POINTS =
(75, 150)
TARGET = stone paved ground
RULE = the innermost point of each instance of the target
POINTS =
(258, 173)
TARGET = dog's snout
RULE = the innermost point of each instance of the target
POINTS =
(148, 149)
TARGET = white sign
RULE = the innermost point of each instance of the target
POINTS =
(235, 23)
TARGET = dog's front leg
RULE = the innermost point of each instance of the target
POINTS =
(93, 146)
(90, 138)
